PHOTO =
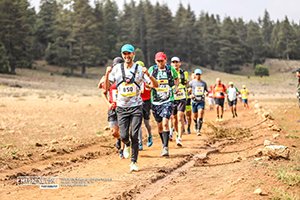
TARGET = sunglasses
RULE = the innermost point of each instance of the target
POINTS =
(175, 62)
(159, 61)
(126, 53)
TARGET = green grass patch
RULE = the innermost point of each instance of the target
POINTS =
(99, 133)
(288, 177)
(289, 136)
(283, 195)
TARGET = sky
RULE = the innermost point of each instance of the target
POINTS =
(246, 9)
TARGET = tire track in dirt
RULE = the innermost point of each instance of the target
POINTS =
(151, 191)
(160, 182)
(63, 161)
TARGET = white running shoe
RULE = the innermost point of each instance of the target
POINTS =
(126, 151)
(134, 167)
(178, 142)
(165, 151)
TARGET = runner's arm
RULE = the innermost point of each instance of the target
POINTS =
(106, 78)
(104, 94)
(153, 81)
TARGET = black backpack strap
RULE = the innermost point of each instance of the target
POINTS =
(182, 77)
(123, 75)
(135, 71)
(123, 72)
(133, 75)
(155, 71)
(170, 76)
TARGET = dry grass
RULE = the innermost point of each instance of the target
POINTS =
(220, 132)
(288, 177)
(283, 195)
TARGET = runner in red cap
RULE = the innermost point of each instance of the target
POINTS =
(162, 97)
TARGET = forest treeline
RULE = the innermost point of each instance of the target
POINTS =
(75, 34)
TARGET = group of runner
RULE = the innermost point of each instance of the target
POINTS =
(131, 90)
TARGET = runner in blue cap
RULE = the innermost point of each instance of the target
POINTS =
(129, 77)
(198, 90)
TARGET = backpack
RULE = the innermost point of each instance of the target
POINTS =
(124, 79)
(169, 74)
(182, 77)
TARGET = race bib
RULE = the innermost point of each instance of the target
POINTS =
(163, 86)
(114, 95)
(180, 94)
(199, 91)
(163, 90)
(128, 90)
(220, 94)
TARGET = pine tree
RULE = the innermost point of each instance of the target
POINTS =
(241, 29)
(4, 63)
(255, 43)
(266, 29)
(110, 28)
(185, 44)
(45, 26)
(287, 40)
(208, 30)
(83, 33)
(16, 32)
(230, 48)
(99, 38)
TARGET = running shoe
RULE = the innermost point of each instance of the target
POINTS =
(118, 144)
(140, 146)
(188, 130)
(178, 142)
(134, 167)
(198, 133)
(165, 151)
(196, 127)
(121, 155)
(171, 134)
(171, 137)
(149, 141)
(236, 115)
(126, 151)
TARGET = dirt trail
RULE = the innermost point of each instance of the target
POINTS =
(58, 132)
(187, 170)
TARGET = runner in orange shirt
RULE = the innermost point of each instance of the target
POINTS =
(219, 91)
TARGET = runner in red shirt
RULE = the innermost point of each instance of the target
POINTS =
(146, 97)
(110, 97)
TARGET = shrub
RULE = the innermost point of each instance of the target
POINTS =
(261, 70)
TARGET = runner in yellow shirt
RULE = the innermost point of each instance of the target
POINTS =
(180, 98)
(245, 93)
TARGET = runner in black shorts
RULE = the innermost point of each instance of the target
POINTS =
(180, 96)
(162, 97)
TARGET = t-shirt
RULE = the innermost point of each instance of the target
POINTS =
(164, 92)
(182, 92)
(232, 93)
(113, 93)
(198, 90)
(219, 91)
(146, 93)
(128, 93)
(244, 93)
